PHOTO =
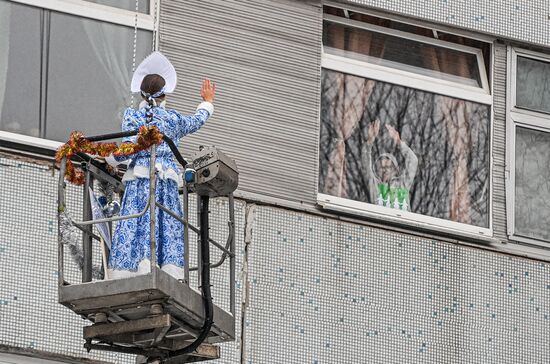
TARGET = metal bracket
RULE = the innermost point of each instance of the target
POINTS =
(102, 330)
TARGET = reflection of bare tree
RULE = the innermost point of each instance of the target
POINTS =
(455, 117)
(348, 116)
(456, 121)
(351, 95)
(449, 136)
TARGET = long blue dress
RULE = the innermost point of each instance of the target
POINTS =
(130, 249)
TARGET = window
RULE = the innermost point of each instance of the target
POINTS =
(528, 187)
(68, 67)
(405, 124)
(532, 84)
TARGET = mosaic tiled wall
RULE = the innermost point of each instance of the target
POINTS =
(319, 290)
(517, 19)
(30, 316)
(323, 291)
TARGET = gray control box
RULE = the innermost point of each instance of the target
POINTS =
(217, 174)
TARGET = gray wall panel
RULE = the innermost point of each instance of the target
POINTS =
(265, 58)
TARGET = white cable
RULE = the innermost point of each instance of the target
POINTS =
(155, 26)
(135, 47)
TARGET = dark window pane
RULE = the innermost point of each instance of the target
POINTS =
(404, 54)
(429, 154)
(532, 195)
(89, 87)
(20, 62)
(143, 5)
(533, 85)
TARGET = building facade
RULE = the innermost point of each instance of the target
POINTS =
(393, 162)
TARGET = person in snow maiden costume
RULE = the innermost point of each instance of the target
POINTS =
(130, 250)
(389, 187)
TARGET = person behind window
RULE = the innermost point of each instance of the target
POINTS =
(131, 250)
(388, 184)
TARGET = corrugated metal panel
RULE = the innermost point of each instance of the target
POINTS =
(499, 142)
(265, 58)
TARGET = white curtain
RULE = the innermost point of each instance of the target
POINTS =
(5, 13)
(113, 47)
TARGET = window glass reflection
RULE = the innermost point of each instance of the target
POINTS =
(60, 72)
(404, 149)
(20, 64)
(533, 84)
(532, 195)
(88, 87)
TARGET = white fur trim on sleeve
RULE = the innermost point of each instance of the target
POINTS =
(111, 161)
(205, 105)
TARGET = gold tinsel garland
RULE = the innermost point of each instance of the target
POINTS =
(146, 137)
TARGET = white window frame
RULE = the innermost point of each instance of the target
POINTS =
(87, 9)
(523, 118)
(420, 82)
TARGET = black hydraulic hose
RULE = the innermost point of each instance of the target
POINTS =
(205, 283)
(121, 134)
(175, 150)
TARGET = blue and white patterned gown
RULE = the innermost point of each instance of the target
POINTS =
(130, 249)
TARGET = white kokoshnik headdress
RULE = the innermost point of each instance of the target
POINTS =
(155, 63)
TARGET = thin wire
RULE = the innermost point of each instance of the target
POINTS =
(135, 48)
